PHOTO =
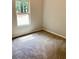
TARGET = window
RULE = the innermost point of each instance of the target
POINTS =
(22, 11)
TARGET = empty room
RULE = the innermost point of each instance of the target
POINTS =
(38, 29)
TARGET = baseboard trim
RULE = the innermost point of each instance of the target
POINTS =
(26, 34)
(43, 29)
(54, 33)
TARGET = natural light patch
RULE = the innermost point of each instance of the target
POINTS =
(26, 38)
(23, 20)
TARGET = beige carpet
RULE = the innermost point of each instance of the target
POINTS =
(40, 45)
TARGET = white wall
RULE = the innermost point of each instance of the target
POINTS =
(52, 12)
(36, 19)
(54, 20)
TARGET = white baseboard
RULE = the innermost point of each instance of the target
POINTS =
(54, 33)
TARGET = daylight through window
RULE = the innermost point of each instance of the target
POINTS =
(22, 11)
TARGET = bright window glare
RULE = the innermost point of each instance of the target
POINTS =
(23, 20)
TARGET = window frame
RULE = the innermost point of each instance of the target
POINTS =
(28, 9)
(24, 13)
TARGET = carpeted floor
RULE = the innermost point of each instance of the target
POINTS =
(40, 45)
